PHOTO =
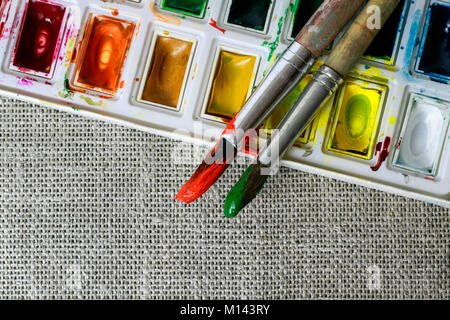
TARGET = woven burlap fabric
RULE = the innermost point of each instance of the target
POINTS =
(86, 211)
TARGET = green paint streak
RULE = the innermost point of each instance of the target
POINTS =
(91, 102)
(294, 7)
(66, 92)
(274, 45)
(238, 198)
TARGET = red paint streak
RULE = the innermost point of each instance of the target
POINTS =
(206, 174)
(213, 24)
(430, 178)
(39, 36)
(105, 52)
(2, 22)
(105, 97)
(25, 82)
(382, 150)
(399, 143)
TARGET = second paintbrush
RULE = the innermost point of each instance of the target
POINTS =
(324, 84)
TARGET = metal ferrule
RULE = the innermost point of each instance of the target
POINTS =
(324, 84)
(287, 72)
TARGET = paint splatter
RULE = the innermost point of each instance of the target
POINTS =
(162, 17)
(392, 120)
(409, 50)
(91, 102)
(213, 23)
(25, 82)
(382, 150)
(273, 46)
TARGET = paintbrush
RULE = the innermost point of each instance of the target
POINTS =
(317, 93)
(315, 37)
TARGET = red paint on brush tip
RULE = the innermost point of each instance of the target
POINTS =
(382, 150)
(200, 182)
(206, 174)
(213, 24)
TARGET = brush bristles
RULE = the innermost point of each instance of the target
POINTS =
(247, 188)
(208, 172)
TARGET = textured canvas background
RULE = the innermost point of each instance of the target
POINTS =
(86, 211)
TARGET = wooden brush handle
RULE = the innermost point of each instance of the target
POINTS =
(359, 36)
(323, 27)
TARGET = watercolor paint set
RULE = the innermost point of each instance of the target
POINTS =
(183, 68)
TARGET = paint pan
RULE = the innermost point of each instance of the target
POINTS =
(384, 48)
(39, 38)
(193, 8)
(434, 54)
(422, 138)
(230, 84)
(251, 15)
(301, 12)
(103, 53)
(309, 134)
(166, 71)
(356, 119)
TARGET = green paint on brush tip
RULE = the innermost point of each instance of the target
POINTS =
(244, 191)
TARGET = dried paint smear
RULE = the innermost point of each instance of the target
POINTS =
(423, 136)
(250, 13)
(105, 48)
(356, 121)
(231, 84)
(41, 29)
(282, 109)
(167, 72)
(194, 8)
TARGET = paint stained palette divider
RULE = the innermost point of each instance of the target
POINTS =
(182, 69)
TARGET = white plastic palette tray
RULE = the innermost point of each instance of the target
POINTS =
(409, 147)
